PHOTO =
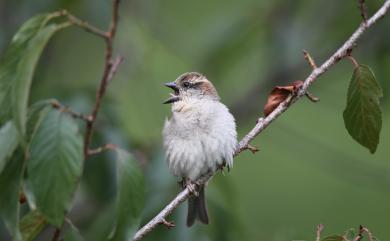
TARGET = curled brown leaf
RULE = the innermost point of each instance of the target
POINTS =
(280, 94)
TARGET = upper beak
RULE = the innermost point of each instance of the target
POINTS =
(174, 97)
(172, 85)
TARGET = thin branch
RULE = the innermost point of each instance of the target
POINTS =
(309, 59)
(110, 67)
(253, 149)
(369, 234)
(320, 227)
(363, 10)
(84, 25)
(354, 61)
(108, 72)
(360, 234)
(56, 234)
(66, 109)
(101, 149)
(263, 123)
(311, 97)
(114, 67)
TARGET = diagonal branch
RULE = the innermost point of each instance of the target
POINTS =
(341, 53)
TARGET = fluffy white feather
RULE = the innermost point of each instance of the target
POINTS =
(199, 137)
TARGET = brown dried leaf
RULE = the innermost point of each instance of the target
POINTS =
(280, 94)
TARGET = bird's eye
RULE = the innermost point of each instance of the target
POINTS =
(186, 84)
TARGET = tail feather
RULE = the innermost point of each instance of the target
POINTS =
(197, 209)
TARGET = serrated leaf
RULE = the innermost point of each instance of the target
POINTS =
(130, 196)
(334, 238)
(363, 116)
(25, 71)
(10, 186)
(13, 55)
(31, 225)
(55, 165)
(73, 234)
(8, 142)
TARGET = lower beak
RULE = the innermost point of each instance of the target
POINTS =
(171, 100)
(174, 97)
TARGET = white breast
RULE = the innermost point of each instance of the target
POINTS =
(199, 137)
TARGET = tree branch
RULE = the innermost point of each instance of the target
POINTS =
(84, 25)
(363, 10)
(320, 227)
(110, 67)
(66, 109)
(263, 123)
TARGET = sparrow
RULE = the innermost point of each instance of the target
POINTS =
(199, 138)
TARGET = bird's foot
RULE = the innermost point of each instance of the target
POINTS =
(221, 167)
(167, 224)
(193, 187)
(182, 183)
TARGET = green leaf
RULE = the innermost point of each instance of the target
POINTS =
(13, 56)
(25, 71)
(10, 186)
(31, 225)
(73, 234)
(363, 116)
(55, 166)
(36, 113)
(8, 142)
(334, 238)
(130, 196)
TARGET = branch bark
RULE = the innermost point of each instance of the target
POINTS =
(262, 123)
(110, 67)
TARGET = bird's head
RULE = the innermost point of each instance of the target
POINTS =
(193, 86)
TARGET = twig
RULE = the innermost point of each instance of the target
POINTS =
(363, 10)
(114, 67)
(263, 123)
(360, 234)
(56, 234)
(311, 97)
(66, 109)
(309, 59)
(369, 234)
(84, 25)
(108, 72)
(253, 149)
(101, 149)
(354, 61)
(320, 227)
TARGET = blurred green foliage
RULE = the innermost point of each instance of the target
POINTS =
(308, 171)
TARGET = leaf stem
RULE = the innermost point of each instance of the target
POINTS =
(84, 25)
(354, 61)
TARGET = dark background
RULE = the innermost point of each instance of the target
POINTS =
(308, 171)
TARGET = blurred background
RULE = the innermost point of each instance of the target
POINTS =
(308, 170)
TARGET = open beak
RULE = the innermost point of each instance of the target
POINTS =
(174, 96)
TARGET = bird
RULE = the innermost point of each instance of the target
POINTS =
(199, 138)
